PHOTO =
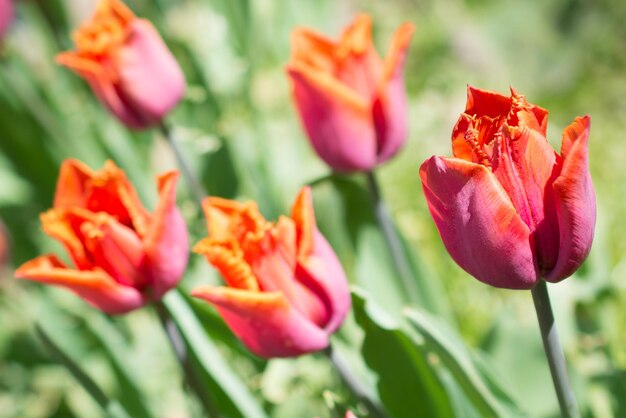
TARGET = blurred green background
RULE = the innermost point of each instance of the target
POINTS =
(240, 131)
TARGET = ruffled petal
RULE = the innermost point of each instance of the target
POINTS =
(575, 201)
(337, 120)
(94, 286)
(150, 80)
(106, 190)
(390, 104)
(272, 257)
(478, 224)
(318, 266)
(266, 323)
(166, 243)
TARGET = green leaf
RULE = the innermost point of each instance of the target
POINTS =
(227, 390)
(458, 360)
(130, 395)
(111, 408)
(409, 382)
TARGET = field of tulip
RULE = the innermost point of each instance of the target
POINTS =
(312, 208)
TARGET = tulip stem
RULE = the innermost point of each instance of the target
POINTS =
(554, 352)
(179, 346)
(392, 238)
(193, 182)
(354, 384)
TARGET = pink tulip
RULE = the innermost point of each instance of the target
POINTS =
(6, 16)
(351, 102)
(127, 65)
(509, 209)
(286, 290)
(123, 255)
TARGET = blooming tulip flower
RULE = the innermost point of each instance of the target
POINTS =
(287, 291)
(351, 102)
(123, 255)
(6, 16)
(509, 209)
(127, 65)
(4, 246)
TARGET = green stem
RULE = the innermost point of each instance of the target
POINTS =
(354, 384)
(193, 182)
(394, 243)
(179, 346)
(554, 352)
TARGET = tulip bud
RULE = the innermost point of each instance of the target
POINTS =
(286, 290)
(509, 209)
(123, 255)
(351, 102)
(127, 65)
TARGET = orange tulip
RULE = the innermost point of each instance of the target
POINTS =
(351, 102)
(287, 291)
(127, 65)
(123, 255)
(510, 210)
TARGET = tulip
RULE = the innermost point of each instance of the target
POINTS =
(6, 16)
(4, 246)
(286, 290)
(509, 209)
(127, 65)
(351, 102)
(123, 255)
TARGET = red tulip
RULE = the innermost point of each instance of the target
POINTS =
(6, 16)
(123, 255)
(509, 209)
(286, 291)
(351, 102)
(127, 65)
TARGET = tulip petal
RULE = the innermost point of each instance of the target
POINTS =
(116, 249)
(390, 104)
(337, 120)
(319, 268)
(107, 190)
(487, 103)
(313, 49)
(272, 257)
(524, 163)
(72, 185)
(227, 258)
(575, 201)
(358, 65)
(478, 224)
(146, 66)
(267, 324)
(94, 286)
(64, 226)
(166, 243)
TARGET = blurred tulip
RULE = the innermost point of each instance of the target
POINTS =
(509, 209)
(6, 16)
(351, 102)
(127, 65)
(4, 246)
(287, 291)
(123, 255)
